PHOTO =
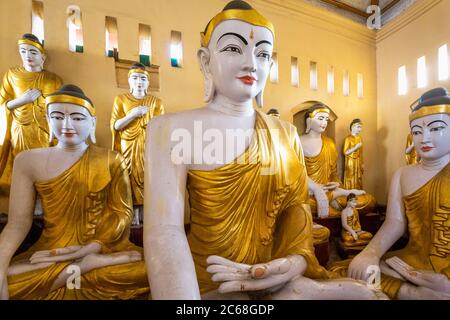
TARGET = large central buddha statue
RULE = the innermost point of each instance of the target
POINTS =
(23, 93)
(84, 250)
(251, 228)
(321, 164)
(419, 203)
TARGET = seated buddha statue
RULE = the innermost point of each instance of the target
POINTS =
(351, 233)
(87, 205)
(321, 164)
(131, 113)
(321, 234)
(419, 203)
(22, 94)
(250, 230)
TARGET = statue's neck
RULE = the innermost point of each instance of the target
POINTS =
(33, 69)
(314, 134)
(435, 164)
(72, 148)
(354, 134)
(138, 96)
(224, 105)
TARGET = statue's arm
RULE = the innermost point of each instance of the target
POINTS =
(170, 266)
(21, 206)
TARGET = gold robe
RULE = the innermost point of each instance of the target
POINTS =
(240, 210)
(353, 222)
(412, 157)
(323, 169)
(26, 126)
(427, 211)
(90, 201)
(353, 164)
(131, 140)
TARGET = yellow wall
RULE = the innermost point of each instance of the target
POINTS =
(419, 31)
(302, 30)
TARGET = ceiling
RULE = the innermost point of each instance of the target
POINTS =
(356, 9)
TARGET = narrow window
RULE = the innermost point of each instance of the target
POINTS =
(346, 84)
(145, 45)
(402, 81)
(111, 36)
(360, 85)
(443, 63)
(37, 19)
(294, 72)
(176, 50)
(75, 28)
(313, 75)
(330, 80)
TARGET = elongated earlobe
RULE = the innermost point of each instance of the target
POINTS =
(259, 99)
(203, 56)
(92, 133)
(308, 126)
(51, 135)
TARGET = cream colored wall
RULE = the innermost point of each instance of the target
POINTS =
(302, 30)
(419, 31)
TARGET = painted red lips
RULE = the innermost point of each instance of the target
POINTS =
(426, 148)
(69, 134)
(248, 80)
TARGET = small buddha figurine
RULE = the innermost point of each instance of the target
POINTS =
(353, 151)
(87, 204)
(23, 93)
(351, 234)
(410, 152)
(250, 231)
(321, 164)
(321, 234)
(131, 113)
(419, 202)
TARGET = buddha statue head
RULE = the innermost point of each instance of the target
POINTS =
(138, 80)
(352, 200)
(429, 121)
(274, 113)
(316, 118)
(71, 116)
(32, 53)
(356, 126)
(236, 53)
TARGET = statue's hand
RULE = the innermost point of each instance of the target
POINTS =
(358, 145)
(354, 235)
(139, 111)
(4, 293)
(30, 96)
(359, 268)
(238, 277)
(423, 278)
(323, 205)
(56, 255)
(357, 192)
(330, 186)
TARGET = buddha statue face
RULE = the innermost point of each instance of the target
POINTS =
(138, 83)
(318, 123)
(356, 129)
(71, 124)
(237, 60)
(32, 58)
(431, 136)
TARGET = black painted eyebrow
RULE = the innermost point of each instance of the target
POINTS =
(56, 112)
(77, 114)
(436, 121)
(234, 34)
(263, 41)
(416, 125)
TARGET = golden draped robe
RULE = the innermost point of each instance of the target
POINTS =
(323, 169)
(26, 126)
(353, 164)
(427, 211)
(253, 211)
(412, 157)
(131, 140)
(355, 225)
(89, 202)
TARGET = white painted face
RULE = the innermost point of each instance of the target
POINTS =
(241, 56)
(32, 58)
(319, 122)
(138, 83)
(431, 136)
(70, 123)
(356, 129)
(353, 202)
